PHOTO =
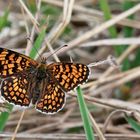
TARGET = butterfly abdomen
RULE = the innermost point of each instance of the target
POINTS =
(39, 81)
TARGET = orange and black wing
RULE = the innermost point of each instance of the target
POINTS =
(15, 90)
(69, 75)
(12, 62)
(52, 100)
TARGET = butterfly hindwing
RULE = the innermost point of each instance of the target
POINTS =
(52, 100)
(14, 90)
(69, 75)
(12, 62)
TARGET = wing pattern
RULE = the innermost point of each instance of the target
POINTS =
(14, 90)
(12, 62)
(52, 100)
(69, 75)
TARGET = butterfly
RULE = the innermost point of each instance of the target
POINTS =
(25, 81)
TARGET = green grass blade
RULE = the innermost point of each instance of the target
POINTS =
(4, 20)
(135, 125)
(112, 30)
(107, 15)
(127, 32)
(37, 43)
(31, 4)
(4, 117)
(85, 117)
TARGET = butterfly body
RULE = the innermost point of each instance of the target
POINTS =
(38, 80)
(26, 81)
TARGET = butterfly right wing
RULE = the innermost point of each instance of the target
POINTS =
(69, 75)
(53, 98)
(12, 63)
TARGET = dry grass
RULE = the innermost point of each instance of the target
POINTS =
(106, 93)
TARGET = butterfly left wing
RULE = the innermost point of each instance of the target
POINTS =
(12, 63)
(53, 98)
(15, 90)
(69, 75)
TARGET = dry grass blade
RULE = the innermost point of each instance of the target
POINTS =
(18, 125)
(95, 13)
(97, 129)
(119, 41)
(29, 13)
(59, 28)
(100, 28)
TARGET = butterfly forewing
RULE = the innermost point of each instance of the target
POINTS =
(12, 62)
(14, 90)
(52, 100)
(69, 75)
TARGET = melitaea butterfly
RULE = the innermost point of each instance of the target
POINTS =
(26, 81)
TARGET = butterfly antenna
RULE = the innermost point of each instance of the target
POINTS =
(71, 60)
(38, 53)
(28, 38)
(57, 50)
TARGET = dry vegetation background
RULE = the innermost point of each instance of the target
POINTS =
(112, 92)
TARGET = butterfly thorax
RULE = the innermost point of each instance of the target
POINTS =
(41, 72)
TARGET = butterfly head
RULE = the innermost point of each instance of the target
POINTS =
(44, 60)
